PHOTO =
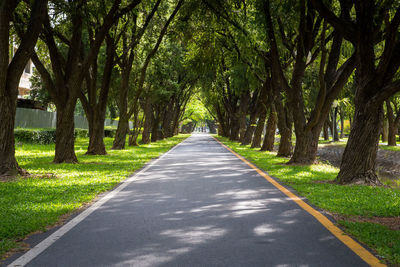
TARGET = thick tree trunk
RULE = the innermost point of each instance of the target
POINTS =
(65, 139)
(96, 135)
(8, 163)
(307, 146)
(285, 130)
(120, 135)
(269, 138)
(358, 161)
(10, 74)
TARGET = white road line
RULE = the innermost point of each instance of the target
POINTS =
(39, 248)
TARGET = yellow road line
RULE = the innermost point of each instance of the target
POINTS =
(336, 231)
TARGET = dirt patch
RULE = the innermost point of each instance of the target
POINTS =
(387, 163)
(392, 223)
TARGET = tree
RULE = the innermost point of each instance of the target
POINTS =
(373, 23)
(125, 111)
(71, 67)
(11, 70)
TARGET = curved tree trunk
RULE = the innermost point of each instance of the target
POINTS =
(269, 138)
(285, 130)
(259, 129)
(358, 161)
(248, 135)
(120, 135)
(65, 139)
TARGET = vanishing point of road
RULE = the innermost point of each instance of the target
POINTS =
(198, 205)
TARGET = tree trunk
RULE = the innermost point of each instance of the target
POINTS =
(306, 146)
(96, 135)
(154, 129)
(358, 161)
(148, 113)
(285, 130)
(248, 135)
(326, 130)
(341, 113)
(235, 128)
(391, 123)
(334, 125)
(269, 138)
(10, 74)
(384, 130)
(259, 129)
(120, 135)
(8, 163)
(65, 139)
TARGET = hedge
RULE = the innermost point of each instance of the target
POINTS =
(42, 135)
(48, 135)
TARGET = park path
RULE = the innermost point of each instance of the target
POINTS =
(199, 205)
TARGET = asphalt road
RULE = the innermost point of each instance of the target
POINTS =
(198, 206)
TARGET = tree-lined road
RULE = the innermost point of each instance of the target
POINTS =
(198, 206)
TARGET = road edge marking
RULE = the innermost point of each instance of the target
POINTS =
(51, 239)
(362, 252)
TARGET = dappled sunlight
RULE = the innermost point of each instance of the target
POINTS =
(183, 208)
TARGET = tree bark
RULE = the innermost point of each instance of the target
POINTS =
(259, 128)
(393, 124)
(269, 138)
(120, 135)
(96, 135)
(358, 160)
(10, 74)
(148, 114)
(326, 130)
(65, 139)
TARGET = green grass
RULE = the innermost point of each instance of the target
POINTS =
(346, 200)
(390, 148)
(29, 205)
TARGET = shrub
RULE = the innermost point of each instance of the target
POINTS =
(109, 131)
(82, 133)
(43, 136)
(37, 136)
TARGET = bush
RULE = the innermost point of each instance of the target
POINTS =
(37, 136)
(43, 136)
(109, 131)
(82, 133)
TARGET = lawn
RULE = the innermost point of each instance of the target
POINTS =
(355, 200)
(36, 203)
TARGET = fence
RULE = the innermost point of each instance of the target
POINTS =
(35, 118)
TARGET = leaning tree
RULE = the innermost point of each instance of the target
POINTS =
(11, 69)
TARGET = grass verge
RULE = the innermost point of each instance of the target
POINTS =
(32, 204)
(355, 200)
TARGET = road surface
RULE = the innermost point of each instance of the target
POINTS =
(199, 205)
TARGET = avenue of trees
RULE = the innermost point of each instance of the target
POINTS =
(299, 67)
